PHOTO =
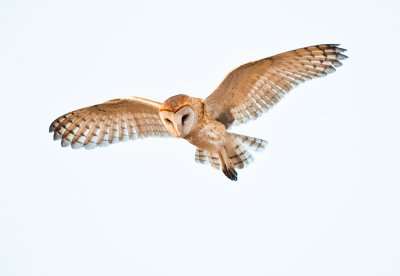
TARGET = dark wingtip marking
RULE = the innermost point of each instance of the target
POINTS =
(52, 127)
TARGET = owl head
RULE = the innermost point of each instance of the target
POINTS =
(179, 114)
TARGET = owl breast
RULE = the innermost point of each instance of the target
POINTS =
(208, 134)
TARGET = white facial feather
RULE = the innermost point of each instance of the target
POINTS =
(167, 118)
(180, 123)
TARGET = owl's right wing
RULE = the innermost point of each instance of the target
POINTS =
(255, 87)
(108, 123)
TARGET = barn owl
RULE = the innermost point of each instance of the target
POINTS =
(244, 94)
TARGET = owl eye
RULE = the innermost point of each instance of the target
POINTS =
(184, 118)
(168, 121)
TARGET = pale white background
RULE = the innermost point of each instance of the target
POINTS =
(323, 199)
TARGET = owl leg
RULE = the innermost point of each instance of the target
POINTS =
(227, 167)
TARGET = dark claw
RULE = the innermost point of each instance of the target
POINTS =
(231, 174)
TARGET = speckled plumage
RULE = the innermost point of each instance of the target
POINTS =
(244, 94)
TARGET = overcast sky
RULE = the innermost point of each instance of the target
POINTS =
(322, 199)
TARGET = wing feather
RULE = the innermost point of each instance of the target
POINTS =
(255, 87)
(114, 121)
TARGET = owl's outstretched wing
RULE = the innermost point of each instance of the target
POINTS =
(108, 123)
(255, 87)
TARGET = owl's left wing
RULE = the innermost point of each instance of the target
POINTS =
(255, 87)
(110, 122)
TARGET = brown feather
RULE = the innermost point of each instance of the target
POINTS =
(113, 121)
(255, 87)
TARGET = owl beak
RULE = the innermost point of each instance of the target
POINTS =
(178, 129)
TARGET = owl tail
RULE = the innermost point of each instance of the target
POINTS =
(232, 155)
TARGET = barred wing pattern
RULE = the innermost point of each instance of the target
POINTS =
(255, 87)
(114, 121)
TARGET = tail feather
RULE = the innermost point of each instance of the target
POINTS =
(205, 157)
(214, 160)
(256, 144)
(239, 156)
(201, 156)
(232, 155)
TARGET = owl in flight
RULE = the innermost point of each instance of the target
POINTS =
(243, 95)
